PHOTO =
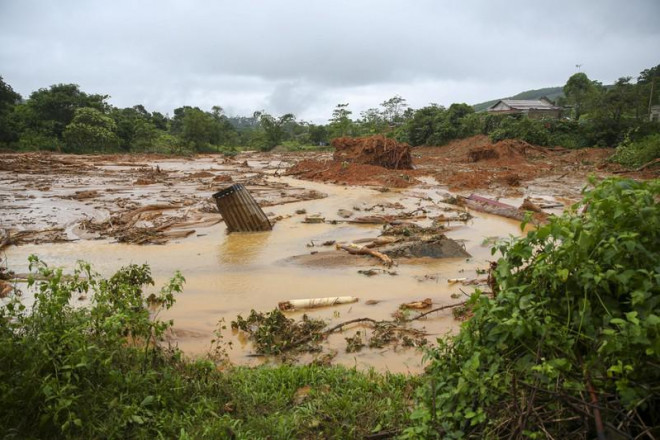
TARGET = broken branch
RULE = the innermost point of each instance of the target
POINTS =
(354, 249)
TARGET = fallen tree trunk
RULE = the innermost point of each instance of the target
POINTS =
(648, 164)
(494, 207)
(295, 304)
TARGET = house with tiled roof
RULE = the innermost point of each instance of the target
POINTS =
(532, 108)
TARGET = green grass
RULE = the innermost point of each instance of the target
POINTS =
(316, 402)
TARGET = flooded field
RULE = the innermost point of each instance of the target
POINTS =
(115, 210)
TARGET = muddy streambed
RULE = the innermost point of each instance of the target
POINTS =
(230, 274)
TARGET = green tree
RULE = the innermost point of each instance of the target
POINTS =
(580, 92)
(127, 120)
(8, 97)
(223, 132)
(200, 130)
(197, 128)
(340, 123)
(371, 122)
(91, 131)
(160, 121)
(617, 111)
(620, 100)
(393, 110)
(648, 84)
(423, 124)
(8, 100)
(145, 135)
(318, 134)
(435, 125)
(273, 128)
(53, 109)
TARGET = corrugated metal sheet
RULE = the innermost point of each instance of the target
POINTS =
(528, 104)
(500, 106)
(240, 211)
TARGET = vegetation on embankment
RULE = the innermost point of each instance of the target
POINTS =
(569, 347)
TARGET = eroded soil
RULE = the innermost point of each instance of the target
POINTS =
(116, 210)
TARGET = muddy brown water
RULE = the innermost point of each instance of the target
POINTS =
(227, 275)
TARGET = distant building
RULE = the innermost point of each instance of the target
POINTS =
(655, 113)
(533, 108)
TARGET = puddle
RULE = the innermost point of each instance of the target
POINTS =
(227, 275)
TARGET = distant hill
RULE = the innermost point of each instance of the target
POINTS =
(552, 93)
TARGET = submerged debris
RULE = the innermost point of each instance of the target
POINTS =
(273, 333)
(312, 303)
(148, 225)
(373, 271)
(354, 343)
(316, 218)
(419, 305)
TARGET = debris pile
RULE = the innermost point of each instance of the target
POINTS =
(476, 162)
(507, 149)
(148, 225)
(350, 173)
(373, 150)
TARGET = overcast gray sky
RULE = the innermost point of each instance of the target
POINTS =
(304, 57)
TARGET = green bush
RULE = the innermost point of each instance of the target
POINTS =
(528, 130)
(92, 368)
(69, 371)
(33, 140)
(637, 153)
(571, 340)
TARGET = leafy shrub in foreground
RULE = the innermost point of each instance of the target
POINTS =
(88, 372)
(570, 345)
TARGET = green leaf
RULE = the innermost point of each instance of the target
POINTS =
(147, 401)
(562, 274)
(632, 317)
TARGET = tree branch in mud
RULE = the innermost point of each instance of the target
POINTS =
(437, 309)
(4, 240)
(395, 325)
(363, 250)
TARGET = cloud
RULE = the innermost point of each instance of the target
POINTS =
(304, 57)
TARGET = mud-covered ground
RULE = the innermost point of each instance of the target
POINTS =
(329, 218)
(132, 198)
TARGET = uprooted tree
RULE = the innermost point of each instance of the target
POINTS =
(373, 150)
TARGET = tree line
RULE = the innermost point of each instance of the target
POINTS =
(64, 118)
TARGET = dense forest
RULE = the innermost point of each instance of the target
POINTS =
(64, 118)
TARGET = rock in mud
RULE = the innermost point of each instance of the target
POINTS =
(436, 247)
(344, 213)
